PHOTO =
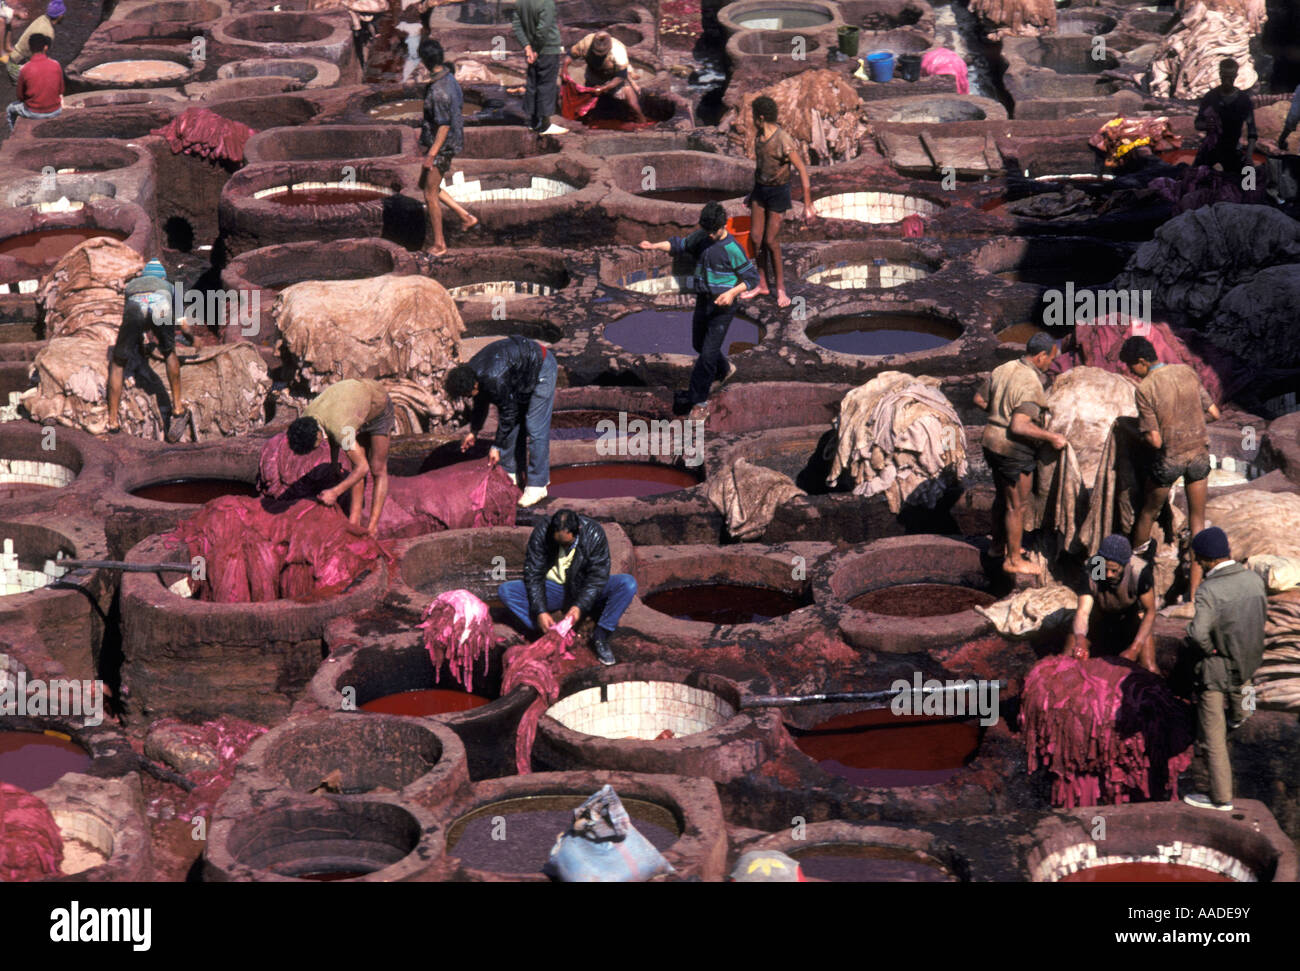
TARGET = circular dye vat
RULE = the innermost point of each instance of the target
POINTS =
(46, 246)
(424, 702)
(582, 425)
(783, 18)
(860, 863)
(329, 876)
(34, 760)
(669, 332)
(1018, 333)
(869, 335)
(193, 492)
(725, 603)
(411, 109)
(693, 197)
(12, 490)
(610, 480)
(858, 276)
(516, 835)
(335, 195)
(921, 600)
(147, 69)
(1057, 276)
(878, 748)
(1145, 872)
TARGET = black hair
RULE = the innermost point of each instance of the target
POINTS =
(765, 108)
(431, 54)
(564, 521)
(460, 381)
(38, 43)
(712, 217)
(1039, 343)
(1138, 349)
(302, 435)
(1228, 64)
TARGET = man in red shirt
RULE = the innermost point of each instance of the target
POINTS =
(40, 85)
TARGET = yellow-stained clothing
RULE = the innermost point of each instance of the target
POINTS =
(558, 572)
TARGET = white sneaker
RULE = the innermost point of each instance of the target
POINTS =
(514, 478)
(554, 129)
(532, 495)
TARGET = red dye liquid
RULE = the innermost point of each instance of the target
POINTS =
(34, 760)
(194, 492)
(857, 863)
(878, 748)
(1146, 873)
(694, 197)
(724, 603)
(326, 197)
(921, 600)
(609, 480)
(669, 332)
(529, 827)
(429, 701)
(46, 246)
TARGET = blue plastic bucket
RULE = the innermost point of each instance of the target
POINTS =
(880, 65)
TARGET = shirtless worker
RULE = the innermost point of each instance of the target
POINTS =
(1014, 398)
(1118, 607)
(346, 413)
(1172, 405)
(1221, 114)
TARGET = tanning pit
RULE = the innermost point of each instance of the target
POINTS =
(329, 142)
(129, 66)
(872, 266)
(33, 760)
(880, 333)
(617, 480)
(512, 187)
(681, 179)
(506, 141)
(842, 852)
(1052, 263)
(875, 208)
(29, 556)
(664, 331)
(487, 274)
(308, 71)
(910, 594)
(766, 15)
(1074, 23)
(285, 35)
(104, 827)
(646, 717)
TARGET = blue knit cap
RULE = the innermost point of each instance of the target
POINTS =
(1116, 549)
(1212, 544)
(154, 268)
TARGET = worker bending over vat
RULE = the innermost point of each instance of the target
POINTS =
(1119, 606)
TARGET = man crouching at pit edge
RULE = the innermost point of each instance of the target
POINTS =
(568, 562)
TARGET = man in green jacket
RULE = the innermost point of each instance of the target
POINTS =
(1228, 633)
(537, 29)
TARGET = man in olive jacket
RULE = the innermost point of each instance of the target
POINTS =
(538, 32)
(1228, 634)
(567, 562)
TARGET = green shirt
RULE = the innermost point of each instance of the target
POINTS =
(22, 51)
(347, 407)
(535, 25)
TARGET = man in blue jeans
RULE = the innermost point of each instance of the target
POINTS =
(518, 376)
(567, 562)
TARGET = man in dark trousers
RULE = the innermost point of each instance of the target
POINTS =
(518, 376)
(537, 29)
(568, 562)
(1172, 405)
(441, 138)
(40, 85)
(1117, 610)
(723, 271)
(1221, 114)
(1227, 635)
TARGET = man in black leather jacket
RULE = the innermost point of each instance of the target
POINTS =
(568, 562)
(518, 376)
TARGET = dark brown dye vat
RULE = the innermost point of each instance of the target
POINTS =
(193, 492)
(45, 246)
(1146, 872)
(877, 334)
(525, 830)
(1055, 276)
(669, 332)
(860, 863)
(725, 603)
(693, 197)
(921, 600)
(610, 480)
(326, 197)
(34, 760)
(426, 701)
(878, 748)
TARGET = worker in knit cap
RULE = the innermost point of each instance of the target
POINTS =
(149, 307)
(1117, 606)
(44, 24)
(1226, 637)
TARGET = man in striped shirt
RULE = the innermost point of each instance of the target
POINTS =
(723, 271)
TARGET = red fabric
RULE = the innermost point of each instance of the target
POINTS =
(40, 84)
(253, 554)
(575, 99)
(1098, 344)
(230, 738)
(940, 60)
(532, 665)
(31, 846)
(913, 225)
(1107, 730)
(462, 496)
(201, 132)
(457, 628)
